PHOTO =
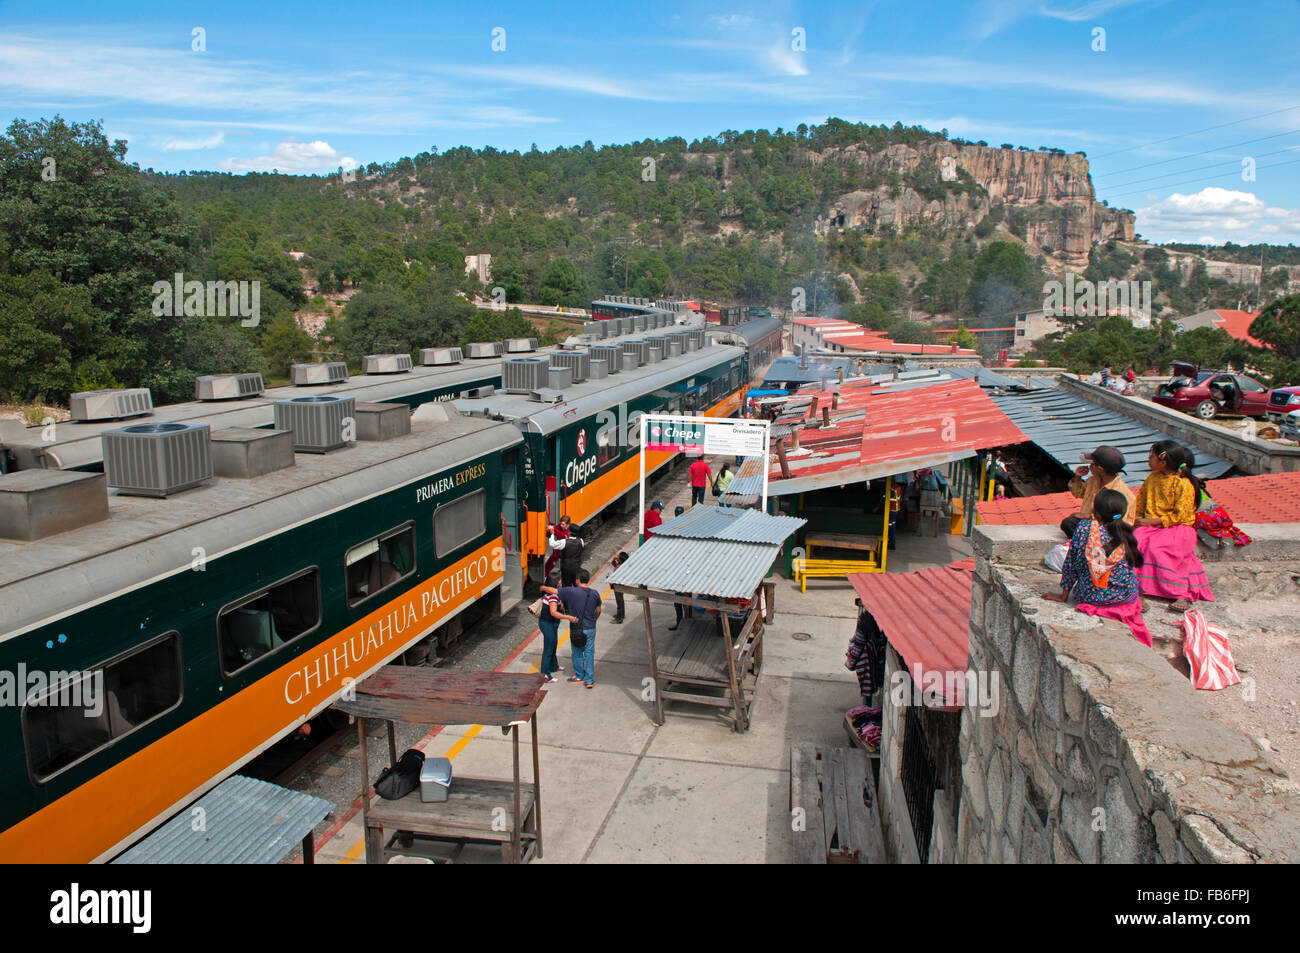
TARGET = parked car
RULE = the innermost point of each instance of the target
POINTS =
(1289, 426)
(1281, 402)
(1210, 393)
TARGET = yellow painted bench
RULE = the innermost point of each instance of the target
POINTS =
(828, 568)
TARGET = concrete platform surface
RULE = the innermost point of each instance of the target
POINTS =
(616, 788)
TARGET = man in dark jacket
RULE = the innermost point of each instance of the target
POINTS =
(570, 551)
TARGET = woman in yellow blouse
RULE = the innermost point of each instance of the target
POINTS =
(1164, 527)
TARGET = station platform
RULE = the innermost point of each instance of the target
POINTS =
(616, 788)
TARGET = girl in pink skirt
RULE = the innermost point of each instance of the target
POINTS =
(1165, 529)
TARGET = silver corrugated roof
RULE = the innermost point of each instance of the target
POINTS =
(1065, 425)
(709, 550)
(243, 821)
(720, 568)
(734, 525)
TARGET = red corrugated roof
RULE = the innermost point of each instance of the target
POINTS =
(1265, 498)
(1237, 323)
(949, 420)
(848, 334)
(925, 616)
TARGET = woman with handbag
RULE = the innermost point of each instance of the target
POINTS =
(549, 616)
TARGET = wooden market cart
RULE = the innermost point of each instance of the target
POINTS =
(702, 662)
(477, 810)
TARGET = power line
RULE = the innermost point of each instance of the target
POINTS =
(1173, 185)
(1195, 133)
(1169, 175)
(1231, 145)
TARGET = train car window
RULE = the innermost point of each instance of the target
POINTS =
(265, 621)
(606, 446)
(735, 378)
(90, 710)
(458, 522)
(379, 563)
(675, 405)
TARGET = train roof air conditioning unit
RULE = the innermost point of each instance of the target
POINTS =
(438, 356)
(672, 348)
(597, 370)
(92, 405)
(228, 386)
(546, 395)
(386, 363)
(520, 345)
(596, 329)
(487, 390)
(157, 459)
(654, 353)
(611, 354)
(523, 374)
(558, 378)
(634, 353)
(639, 322)
(484, 349)
(324, 372)
(319, 424)
(577, 361)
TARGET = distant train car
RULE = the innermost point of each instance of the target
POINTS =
(761, 337)
(581, 444)
(164, 646)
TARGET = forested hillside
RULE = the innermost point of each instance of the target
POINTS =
(893, 227)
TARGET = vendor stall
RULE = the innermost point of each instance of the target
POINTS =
(711, 561)
(475, 810)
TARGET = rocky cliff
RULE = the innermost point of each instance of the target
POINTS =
(1050, 194)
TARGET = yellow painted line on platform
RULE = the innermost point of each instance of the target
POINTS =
(359, 848)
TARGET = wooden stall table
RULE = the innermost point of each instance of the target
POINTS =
(843, 541)
(473, 811)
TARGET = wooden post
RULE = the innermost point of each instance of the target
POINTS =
(654, 661)
(739, 721)
(365, 791)
(780, 456)
(537, 789)
(884, 535)
(826, 416)
(517, 846)
(392, 744)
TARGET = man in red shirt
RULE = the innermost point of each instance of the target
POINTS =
(700, 474)
(652, 518)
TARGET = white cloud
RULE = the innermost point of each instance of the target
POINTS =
(294, 157)
(1088, 11)
(1232, 215)
(731, 21)
(176, 144)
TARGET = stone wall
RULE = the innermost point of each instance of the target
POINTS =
(1099, 751)
(1250, 456)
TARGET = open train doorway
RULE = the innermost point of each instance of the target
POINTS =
(512, 582)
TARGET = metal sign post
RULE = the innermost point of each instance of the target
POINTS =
(702, 435)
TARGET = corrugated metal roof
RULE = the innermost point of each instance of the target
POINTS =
(735, 525)
(925, 615)
(874, 435)
(720, 568)
(1265, 498)
(244, 821)
(710, 550)
(1065, 425)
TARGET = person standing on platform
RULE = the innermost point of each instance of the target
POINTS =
(700, 473)
(614, 563)
(549, 622)
(652, 519)
(584, 602)
(570, 551)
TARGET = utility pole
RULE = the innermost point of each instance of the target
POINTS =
(622, 249)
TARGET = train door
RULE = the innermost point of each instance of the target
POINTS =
(512, 582)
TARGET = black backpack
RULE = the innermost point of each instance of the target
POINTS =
(402, 778)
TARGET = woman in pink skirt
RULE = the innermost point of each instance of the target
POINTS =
(1165, 529)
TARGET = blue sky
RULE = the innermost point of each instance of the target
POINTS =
(309, 87)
